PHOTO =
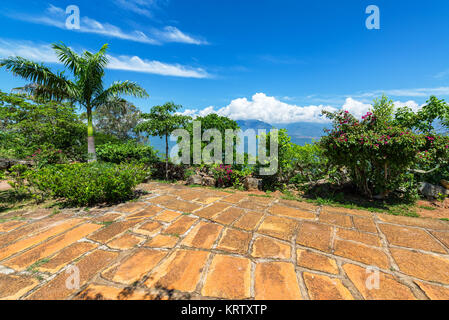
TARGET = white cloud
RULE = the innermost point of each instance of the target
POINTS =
(142, 7)
(271, 110)
(173, 34)
(267, 109)
(44, 53)
(56, 17)
(137, 64)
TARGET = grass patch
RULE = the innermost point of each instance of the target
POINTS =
(260, 195)
(427, 208)
(33, 268)
(445, 219)
(106, 223)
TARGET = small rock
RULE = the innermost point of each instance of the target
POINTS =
(445, 184)
(195, 179)
(208, 182)
(252, 184)
(432, 191)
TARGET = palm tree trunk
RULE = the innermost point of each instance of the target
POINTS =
(91, 153)
(166, 157)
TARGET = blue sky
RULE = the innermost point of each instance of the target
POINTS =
(275, 61)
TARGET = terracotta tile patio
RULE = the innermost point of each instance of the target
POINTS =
(192, 243)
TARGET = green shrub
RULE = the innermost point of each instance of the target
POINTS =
(126, 152)
(48, 155)
(88, 184)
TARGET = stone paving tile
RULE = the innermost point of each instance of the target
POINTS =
(416, 222)
(212, 211)
(423, 266)
(13, 287)
(364, 224)
(315, 235)
(148, 212)
(11, 225)
(131, 207)
(357, 236)
(108, 217)
(108, 233)
(203, 235)
(66, 256)
(150, 228)
(133, 268)
(336, 219)
(276, 281)
(251, 204)
(291, 212)
(38, 238)
(386, 288)
(162, 241)
(315, 261)
(168, 216)
(342, 210)
(229, 216)
(181, 271)
(180, 226)
(228, 278)
(235, 241)
(235, 198)
(299, 205)
(249, 221)
(321, 287)
(244, 250)
(50, 247)
(88, 267)
(31, 229)
(411, 238)
(361, 253)
(434, 292)
(443, 237)
(125, 242)
(101, 292)
(264, 247)
(280, 228)
(182, 206)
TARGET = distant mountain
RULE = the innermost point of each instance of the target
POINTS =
(253, 124)
(300, 132)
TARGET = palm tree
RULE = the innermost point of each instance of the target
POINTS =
(86, 88)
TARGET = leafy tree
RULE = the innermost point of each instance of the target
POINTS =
(424, 120)
(28, 126)
(86, 87)
(161, 122)
(117, 117)
(213, 121)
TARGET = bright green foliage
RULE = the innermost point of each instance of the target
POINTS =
(86, 87)
(126, 152)
(424, 120)
(161, 122)
(283, 159)
(308, 164)
(27, 126)
(219, 123)
(88, 184)
(117, 118)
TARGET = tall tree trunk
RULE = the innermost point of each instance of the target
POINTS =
(91, 153)
(166, 157)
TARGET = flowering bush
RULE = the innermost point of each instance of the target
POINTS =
(48, 155)
(223, 175)
(376, 153)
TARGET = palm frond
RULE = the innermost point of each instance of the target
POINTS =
(120, 88)
(68, 57)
